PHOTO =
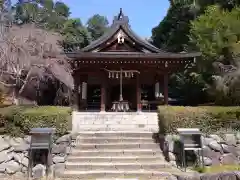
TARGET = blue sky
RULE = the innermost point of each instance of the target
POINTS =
(143, 14)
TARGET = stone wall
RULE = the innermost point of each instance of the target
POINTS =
(216, 176)
(14, 155)
(224, 150)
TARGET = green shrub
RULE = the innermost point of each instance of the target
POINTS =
(20, 119)
(209, 119)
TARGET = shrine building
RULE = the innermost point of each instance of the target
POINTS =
(122, 72)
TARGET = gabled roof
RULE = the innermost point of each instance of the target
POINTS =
(121, 24)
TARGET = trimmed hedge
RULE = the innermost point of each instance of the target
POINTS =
(18, 120)
(209, 119)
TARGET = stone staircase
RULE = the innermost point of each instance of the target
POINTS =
(117, 155)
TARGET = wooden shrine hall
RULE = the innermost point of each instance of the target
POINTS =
(122, 72)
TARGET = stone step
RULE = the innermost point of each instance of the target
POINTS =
(118, 121)
(104, 140)
(115, 166)
(118, 146)
(116, 134)
(115, 159)
(117, 127)
(124, 179)
(139, 175)
(114, 178)
(117, 152)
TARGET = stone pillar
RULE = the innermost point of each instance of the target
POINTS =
(138, 93)
(103, 94)
(165, 86)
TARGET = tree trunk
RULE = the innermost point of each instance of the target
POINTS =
(16, 99)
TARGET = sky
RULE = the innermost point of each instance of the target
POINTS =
(143, 14)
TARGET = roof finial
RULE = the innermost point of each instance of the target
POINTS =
(120, 15)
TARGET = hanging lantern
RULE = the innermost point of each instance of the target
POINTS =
(166, 64)
(109, 75)
(132, 74)
(117, 75)
(126, 75)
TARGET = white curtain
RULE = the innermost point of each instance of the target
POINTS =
(157, 90)
(84, 90)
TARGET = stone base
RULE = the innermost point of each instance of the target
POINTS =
(114, 121)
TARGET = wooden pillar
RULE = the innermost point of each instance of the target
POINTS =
(165, 86)
(103, 94)
(138, 93)
(108, 95)
(75, 98)
(83, 102)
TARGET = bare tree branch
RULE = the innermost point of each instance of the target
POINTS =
(29, 54)
(26, 80)
(7, 85)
